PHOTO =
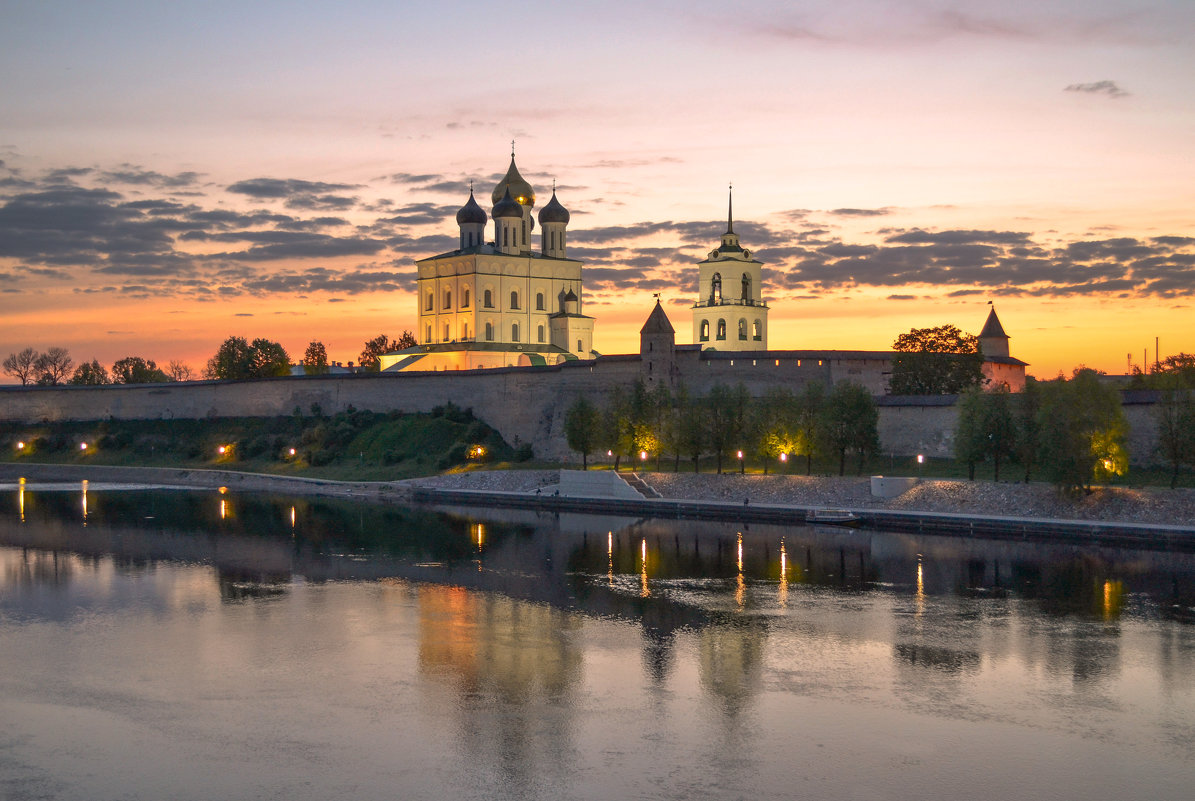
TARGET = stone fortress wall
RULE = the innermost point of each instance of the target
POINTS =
(525, 404)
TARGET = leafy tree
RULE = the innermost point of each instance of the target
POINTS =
(381, 344)
(22, 366)
(1025, 407)
(726, 418)
(634, 422)
(662, 422)
(136, 370)
(237, 359)
(850, 422)
(986, 429)
(179, 371)
(610, 424)
(691, 427)
(53, 366)
(1175, 416)
(315, 359)
(1081, 432)
(773, 425)
(935, 361)
(581, 428)
(809, 415)
(90, 373)
(269, 359)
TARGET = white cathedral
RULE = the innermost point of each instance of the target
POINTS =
(500, 303)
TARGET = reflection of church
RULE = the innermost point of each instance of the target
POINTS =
(500, 303)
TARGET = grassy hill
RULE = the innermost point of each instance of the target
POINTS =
(353, 444)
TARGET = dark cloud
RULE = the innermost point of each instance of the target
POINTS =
(132, 175)
(860, 212)
(1106, 88)
(296, 194)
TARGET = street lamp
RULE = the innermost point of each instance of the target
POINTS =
(920, 461)
(741, 463)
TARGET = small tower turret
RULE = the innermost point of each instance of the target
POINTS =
(508, 225)
(471, 218)
(553, 220)
(992, 339)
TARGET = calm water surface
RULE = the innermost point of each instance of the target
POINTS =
(190, 645)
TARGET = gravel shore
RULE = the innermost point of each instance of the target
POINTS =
(1154, 505)
(1109, 504)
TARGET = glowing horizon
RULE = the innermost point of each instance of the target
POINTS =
(166, 182)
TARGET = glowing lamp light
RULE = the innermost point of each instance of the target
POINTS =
(784, 457)
(1108, 465)
(921, 458)
(609, 453)
(20, 446)
(740, 454)
(291, 451)
(643, 456)
(82, 446)
(223, 449)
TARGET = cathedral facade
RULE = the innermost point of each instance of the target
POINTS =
(501, 303)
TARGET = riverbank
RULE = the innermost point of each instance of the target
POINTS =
(934, 496)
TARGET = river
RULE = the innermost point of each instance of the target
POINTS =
(195, 645)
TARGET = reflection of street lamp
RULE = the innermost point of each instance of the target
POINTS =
(740, 463)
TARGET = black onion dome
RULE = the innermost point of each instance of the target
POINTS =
(512, 182)
(570, 297)
(471, 212)
(554, 212)
(507, 207)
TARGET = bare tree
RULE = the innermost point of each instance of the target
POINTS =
(179, 371)
(22, 366)
(53, 366)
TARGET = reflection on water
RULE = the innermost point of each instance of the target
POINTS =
(202, 645)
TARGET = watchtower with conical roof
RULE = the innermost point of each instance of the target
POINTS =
(730, 312)
(657, 348)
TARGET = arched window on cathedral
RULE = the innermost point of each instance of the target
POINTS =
(746, 289)
(716, 289)
(539, 301)
(757, 331)
(705, 330)
(721, 329)
(743, 330)
(488, 299)
(489, 332)
(465, 299)
(431, 301)
(464, 330)
(514, 332)
(429, 334)
(447, 298)
(514, 299)
(445, 332)
(541, 334)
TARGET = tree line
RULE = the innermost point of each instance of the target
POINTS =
(54, 367)
(237, 358)
(777, 427)
(1073, 432)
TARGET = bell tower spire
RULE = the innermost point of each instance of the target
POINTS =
(730, 211)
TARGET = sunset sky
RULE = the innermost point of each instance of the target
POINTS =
(172, 174)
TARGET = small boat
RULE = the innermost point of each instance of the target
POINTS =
(833, 517)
